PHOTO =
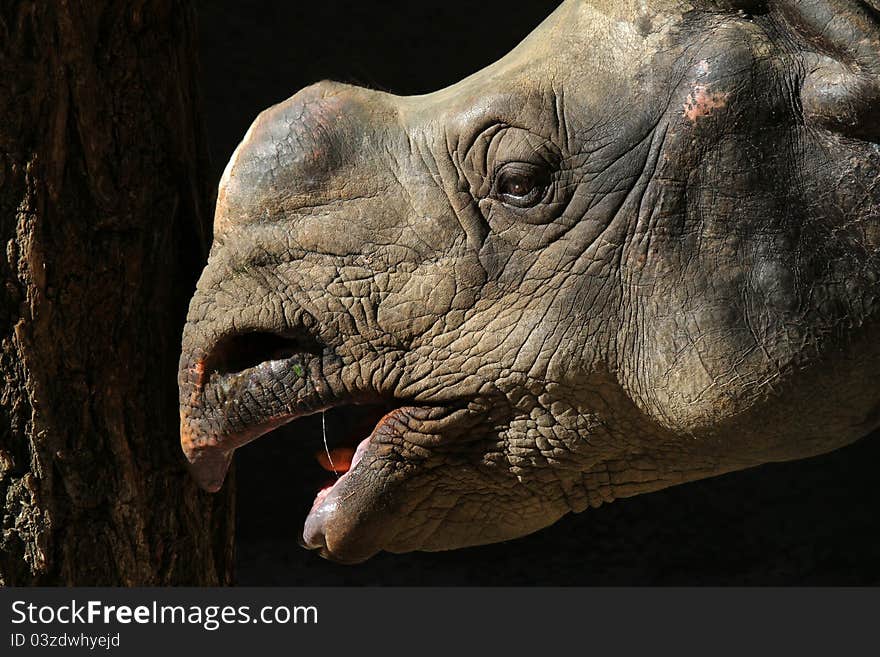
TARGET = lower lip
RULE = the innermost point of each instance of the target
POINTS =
(355, 459)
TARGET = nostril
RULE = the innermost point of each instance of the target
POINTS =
(237, 353)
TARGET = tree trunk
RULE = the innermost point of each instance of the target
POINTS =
(104, 217)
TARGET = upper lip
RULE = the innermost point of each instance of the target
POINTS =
(224, 408)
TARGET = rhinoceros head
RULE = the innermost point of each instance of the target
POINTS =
(643, 248)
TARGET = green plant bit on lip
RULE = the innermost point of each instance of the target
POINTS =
(298, 370)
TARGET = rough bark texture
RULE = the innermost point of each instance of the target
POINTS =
(105, 222)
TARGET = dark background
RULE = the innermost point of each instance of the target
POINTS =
(807, 522)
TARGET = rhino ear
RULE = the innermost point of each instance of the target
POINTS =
(841, 91)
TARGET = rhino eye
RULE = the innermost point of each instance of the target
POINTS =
(521, 184)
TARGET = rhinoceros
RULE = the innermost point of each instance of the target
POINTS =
(641, 249)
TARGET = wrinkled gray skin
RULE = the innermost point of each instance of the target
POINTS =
(641, 249)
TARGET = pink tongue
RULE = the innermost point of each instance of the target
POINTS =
(355, 459)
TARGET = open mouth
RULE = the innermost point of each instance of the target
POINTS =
(331, 443)
(261, 384)
(349, 448)
(313, 453)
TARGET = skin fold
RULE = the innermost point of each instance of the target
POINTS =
(641, 249)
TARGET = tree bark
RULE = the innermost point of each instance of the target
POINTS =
(104, 217)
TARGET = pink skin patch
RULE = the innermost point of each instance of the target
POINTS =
(701, 102)
(321, 496)
(703, 68)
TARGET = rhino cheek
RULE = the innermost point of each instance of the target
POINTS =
(424, 298)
